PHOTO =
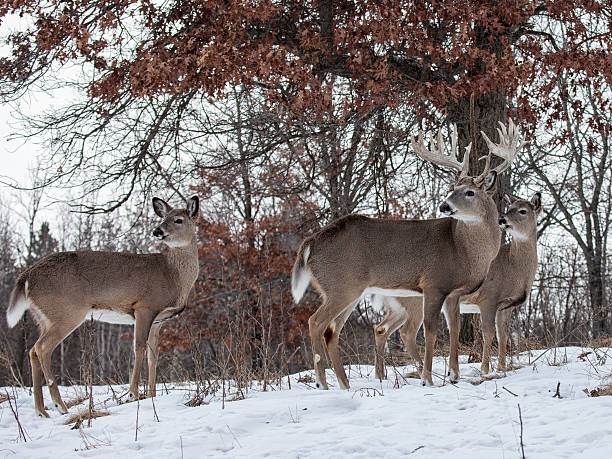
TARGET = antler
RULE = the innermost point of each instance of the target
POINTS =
(507, 148)
(437, 154)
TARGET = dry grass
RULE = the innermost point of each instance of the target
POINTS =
(601, 342)
(599, 391)
(84, 415)
(4, 398)
(306, 378)
(76, 401)
(484, 378)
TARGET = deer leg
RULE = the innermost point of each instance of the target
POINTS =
(144, 319)
(487, 320)
(152, 356)
(392, 321)
(39, 403)
(318, 324)
(431, 313)
(44, 347)
(453, 320)
(502, 323)
(408, 333)
(46, 344)
(331, 336)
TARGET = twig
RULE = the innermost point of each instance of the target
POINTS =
(233, 435)
(14, 410)
(137, 412)
(156, 417)
(521, 437)
(416, 449)
(509, 391)
(91, 405)
(557, 393)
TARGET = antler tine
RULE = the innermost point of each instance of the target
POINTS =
(436, 154)
(465, 164)
(507, 148)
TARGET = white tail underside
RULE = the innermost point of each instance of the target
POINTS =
(301, 277)
(14, 313)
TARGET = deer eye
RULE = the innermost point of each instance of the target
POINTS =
(469, 193)
(178, 220)
(523, 212)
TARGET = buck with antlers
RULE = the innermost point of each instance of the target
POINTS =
(64, 289)
(439, 259)
(507, 285)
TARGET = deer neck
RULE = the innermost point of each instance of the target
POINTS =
(183, 263)
(478, 241)
(525, 249)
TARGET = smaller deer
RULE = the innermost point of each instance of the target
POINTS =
(64, 289)
(507, 285)
(404, 312)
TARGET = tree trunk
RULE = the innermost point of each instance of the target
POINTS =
(597, 300)
(481, 114)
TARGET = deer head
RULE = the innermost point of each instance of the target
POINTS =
(178, 227)
(520, 220)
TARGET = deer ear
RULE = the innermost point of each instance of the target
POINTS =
(193, 206)
(490, 183)
(161, 207)
(536, 202)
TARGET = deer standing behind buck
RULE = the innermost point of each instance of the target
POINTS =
(64, 289)
(507, 285)
(439, 259)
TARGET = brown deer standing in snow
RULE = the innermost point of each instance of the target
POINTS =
(439, 259)
(64, 289)
(507, 285)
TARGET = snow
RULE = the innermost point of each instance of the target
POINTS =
(395, 418)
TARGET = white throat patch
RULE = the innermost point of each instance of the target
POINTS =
(469, 219)
(175, 244)
(516, 235)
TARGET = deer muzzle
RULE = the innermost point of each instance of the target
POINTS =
(446, 209)
(159, 233)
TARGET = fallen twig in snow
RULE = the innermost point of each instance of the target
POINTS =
(509, 391)
(416, 449)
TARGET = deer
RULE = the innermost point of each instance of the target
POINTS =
(506, 287)
(64, 289)
(438, 259)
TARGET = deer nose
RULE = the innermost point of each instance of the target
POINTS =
(445, 208)
(502, 221)
(158, 232)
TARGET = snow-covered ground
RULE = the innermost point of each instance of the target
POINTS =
(395, 418)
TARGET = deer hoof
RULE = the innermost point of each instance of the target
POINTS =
(60, 409)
